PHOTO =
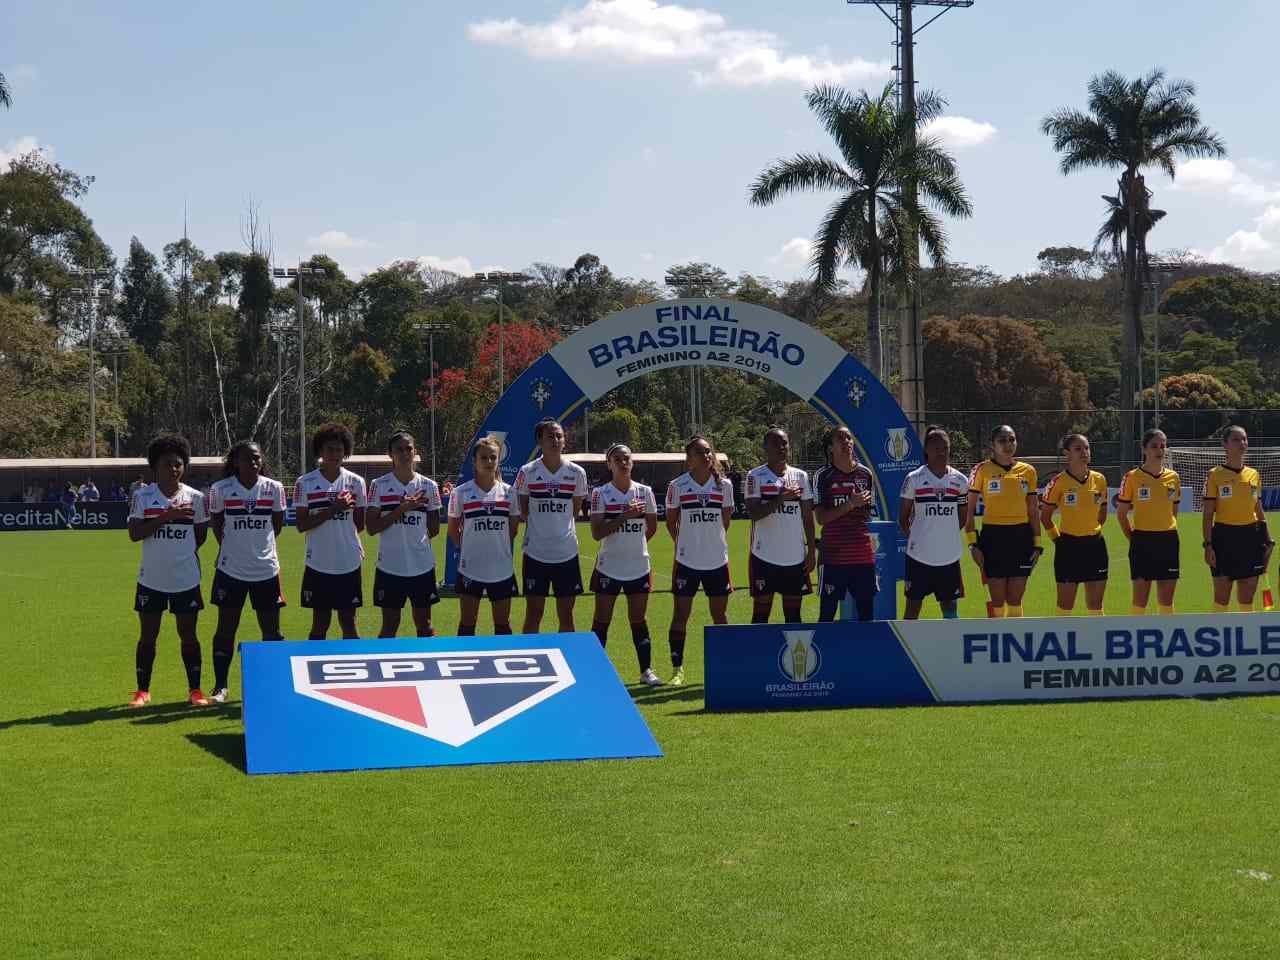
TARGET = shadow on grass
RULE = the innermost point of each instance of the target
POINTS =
(152, 714)
(228, 747)
(644, 695)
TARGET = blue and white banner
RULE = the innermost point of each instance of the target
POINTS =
(894, 663)
(363, 704)
(51, 515)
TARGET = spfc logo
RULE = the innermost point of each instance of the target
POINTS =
(896, 446)
(800, 658)
(449, 697)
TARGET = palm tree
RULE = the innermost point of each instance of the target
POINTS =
(1132, 125)
(882, 153)
(5, 99)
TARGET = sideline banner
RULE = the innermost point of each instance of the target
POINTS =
(365, 704)
(897, 663)
(97, 515)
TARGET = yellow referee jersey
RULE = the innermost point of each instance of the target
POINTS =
(1234, 494)
(1079, 501)
(1004, 491)
(1154, 498)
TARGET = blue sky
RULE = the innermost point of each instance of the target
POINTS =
(478, 135)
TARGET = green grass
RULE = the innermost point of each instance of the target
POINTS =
(1107, 830)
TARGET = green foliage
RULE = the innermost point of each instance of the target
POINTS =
(1194, 405)
(44, 403)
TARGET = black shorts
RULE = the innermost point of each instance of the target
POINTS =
(765, 579)
(497, 590)
(540, 578)
(390, 590)
(1153, 555)
(612, 586)
(1239, 550)
(157, 601)
(229, 591)
(715, 583)
(1006, 550)
(943, 581)
(858, 580)
(332, 591)
(1080, 559)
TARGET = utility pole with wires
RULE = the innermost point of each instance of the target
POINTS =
(910, 338)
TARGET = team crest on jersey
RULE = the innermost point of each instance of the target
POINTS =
(800, 658)
(540, 392)
(896, 445)
(1224, 491)
(993, 486)
(1070, 499)
(1144, 493)
(451, 697)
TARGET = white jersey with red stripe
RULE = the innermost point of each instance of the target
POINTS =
(169, 560)
(701, 544)
(248, 548)
(779, 537)
(485, 552)
(935, 519)
(334, 546)
(624, 554)
(549, 534)
(404, 548)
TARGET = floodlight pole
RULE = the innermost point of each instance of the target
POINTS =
(431, 329)
(910, 335)
(297, 273)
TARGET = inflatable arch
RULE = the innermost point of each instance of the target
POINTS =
(716, 333)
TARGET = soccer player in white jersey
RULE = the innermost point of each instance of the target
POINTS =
(783, 540)
(551, 491)
(932, 511)
(171, 520)
(246, 513)
(699, 510)
(330, 504)
(404, 513)
(483, 519)
(624, 518)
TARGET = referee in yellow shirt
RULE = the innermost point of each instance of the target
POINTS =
(1009, 545)
(1150, 494)
(1080, 552)
(1237, 543)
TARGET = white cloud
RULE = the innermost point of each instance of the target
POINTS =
(795, 253)
(646, 31)
(20, 147)
(960, 132)
(1244, 247)
(1219, 176)
(458, 265)
(646, 257)
(337, 240)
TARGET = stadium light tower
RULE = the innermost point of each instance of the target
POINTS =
(691, 284)
(116, 348)
(910, 339)
(497, 281)
(297, 273)
(88, 293)
(431, 329)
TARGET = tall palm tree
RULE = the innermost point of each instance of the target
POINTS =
(1132, 125)
(881, 152)
(5, 99)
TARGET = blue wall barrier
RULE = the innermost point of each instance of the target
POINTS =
(97, 515)
(898, 663)
(363, 704)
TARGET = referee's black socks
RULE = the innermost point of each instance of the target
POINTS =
(644, 650)
(677, 648)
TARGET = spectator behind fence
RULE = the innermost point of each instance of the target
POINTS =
(89, 493)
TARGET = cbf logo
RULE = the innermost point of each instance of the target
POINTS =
(856, 392)
(800, 658)
(540, 392)
(896, 445)
(448, 697)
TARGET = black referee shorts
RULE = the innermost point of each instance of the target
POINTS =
(1153, 555)
(1080, 559)
(1006, 550)
(1238, 550)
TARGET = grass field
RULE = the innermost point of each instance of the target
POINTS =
(1106, 829)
